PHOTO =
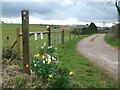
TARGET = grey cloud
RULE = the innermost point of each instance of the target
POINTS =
(12, 9)
(86, 11)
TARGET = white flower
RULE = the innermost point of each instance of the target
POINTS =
(55, 48)
(42, 47)
(49, 47)
(35, 65)
(43, 62)
(43, 56)
(44, 43)
(46, 60)
(37, 47)
(53, 58)
(49, 60)
(49, 56)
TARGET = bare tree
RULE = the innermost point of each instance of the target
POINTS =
(117, 6)
(117, 3)
(118, 9)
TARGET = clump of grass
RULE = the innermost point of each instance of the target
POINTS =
(112, 41)
(19, 82)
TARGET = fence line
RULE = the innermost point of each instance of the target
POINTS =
(54, 38)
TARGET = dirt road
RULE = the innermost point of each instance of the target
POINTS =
(96, 49)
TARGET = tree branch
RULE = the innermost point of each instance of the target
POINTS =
(118, 9)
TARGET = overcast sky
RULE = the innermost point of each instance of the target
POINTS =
(65, 12)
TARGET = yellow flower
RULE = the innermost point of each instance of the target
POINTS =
(70, 73)
(49, 62)
(37, 55)
(27, 65)
(50, 76)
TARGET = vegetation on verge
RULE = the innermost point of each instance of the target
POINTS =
(112, 41)
(45, 64)
(86, 74)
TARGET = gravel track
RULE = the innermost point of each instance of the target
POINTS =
(104, 55)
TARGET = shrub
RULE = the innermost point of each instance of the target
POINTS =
(43, 64)
(8, 53)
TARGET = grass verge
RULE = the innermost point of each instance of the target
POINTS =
(86, 75)
(112, 41)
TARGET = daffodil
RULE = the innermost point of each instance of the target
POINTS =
(42, 47)
(43, 56)
(37, 55)
(70, 73)
(35, 65)
(44, 43)
(43, 62)
(49, 47)
(53, 58)
(50, 76)
(49, 62)
(49, 56)
(27, 65)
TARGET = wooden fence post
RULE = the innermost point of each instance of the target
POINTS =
(18, 43)
(62, 39)
(69, 35)
(25, 43)
(49, 36)
(54, 39)
(74, 34)
(78, 32)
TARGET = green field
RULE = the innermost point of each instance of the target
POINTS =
(86, 74)
(9, 30)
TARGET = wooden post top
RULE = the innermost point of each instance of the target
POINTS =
(25, 10)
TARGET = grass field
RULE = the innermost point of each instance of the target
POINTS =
(86, 75)
(112, 41)
(9, 30)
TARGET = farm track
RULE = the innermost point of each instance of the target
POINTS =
(104, 55)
